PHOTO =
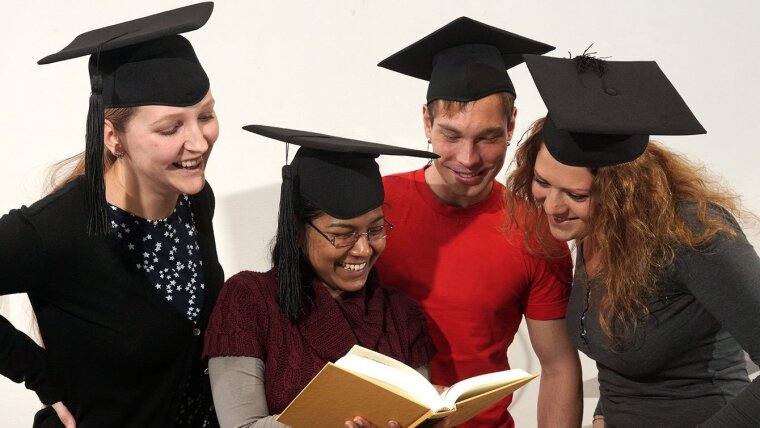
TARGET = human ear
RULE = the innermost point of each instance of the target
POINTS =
(427, 122)
(111, 138)
(511, 127)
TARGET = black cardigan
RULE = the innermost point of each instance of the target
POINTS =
(116, 353)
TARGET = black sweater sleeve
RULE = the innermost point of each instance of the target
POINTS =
(22, 269)
(725, 278)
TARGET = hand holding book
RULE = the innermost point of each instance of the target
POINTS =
(360, 422)
(380, 389)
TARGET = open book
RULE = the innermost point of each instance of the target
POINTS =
(377, 387)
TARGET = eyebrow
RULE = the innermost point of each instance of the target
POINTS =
(564, 189)
(495, 129)
(351, 226)
(450, 129)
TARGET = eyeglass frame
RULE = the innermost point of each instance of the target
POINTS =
(387, 227)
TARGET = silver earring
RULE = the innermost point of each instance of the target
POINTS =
(118, 155)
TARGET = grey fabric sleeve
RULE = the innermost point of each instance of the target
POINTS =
(598, 409)
(725, 278)
(424, 371)
(237, 384)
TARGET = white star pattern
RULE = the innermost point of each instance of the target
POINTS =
(153, 249)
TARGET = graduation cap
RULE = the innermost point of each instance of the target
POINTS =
(338, 175)
(603, 112)
(134, 63)
(464, 60)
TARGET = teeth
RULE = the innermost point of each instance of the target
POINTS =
(188, 163)
(354, 267)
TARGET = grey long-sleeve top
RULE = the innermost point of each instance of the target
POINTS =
(684, 367)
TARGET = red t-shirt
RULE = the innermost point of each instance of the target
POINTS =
(473, 280)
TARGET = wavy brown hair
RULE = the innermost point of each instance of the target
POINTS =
(635, 223)
(65, 171)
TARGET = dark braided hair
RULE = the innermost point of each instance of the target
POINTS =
(294, 273)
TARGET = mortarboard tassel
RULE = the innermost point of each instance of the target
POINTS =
(290, 293)
(587, 61)
(98, 222)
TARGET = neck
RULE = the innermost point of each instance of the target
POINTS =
(590, 258)
(127, 193)
(334, 292)
(441, 190)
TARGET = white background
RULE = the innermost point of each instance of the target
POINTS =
(311, 65)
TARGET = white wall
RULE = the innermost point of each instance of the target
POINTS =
(311, 65)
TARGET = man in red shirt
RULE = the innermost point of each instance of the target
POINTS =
(451, 248)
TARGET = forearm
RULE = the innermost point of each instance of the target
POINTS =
(560, 400)
(237, 384)
(742, 411)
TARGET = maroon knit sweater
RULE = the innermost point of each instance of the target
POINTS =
(248, 322)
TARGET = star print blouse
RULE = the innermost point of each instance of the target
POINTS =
(167, 251)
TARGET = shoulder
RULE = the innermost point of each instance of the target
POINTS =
(690, 212)
(400, 180)
(57, 216)
(249, 286)
(401, 303)
(246, 299)
(70, 197)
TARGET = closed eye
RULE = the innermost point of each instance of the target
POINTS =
(540, 181)
(576, 197)
(451, 137)
(171, 131)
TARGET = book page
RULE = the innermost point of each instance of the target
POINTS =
(473, 386)
(393, 372)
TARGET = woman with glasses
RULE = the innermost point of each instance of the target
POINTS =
(666, 290)
(271, 332)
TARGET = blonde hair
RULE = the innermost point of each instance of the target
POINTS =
(636, 226)
(65, 171)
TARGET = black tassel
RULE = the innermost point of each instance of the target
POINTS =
(587, 61)
(98, 222)
(290, 292)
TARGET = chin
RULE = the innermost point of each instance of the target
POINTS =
(564, 235)
(192, 188)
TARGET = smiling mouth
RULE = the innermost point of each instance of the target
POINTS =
(188, 164)
(563, 219)
(465, 174)
(354, 267)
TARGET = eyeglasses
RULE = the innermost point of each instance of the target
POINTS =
(344, 240)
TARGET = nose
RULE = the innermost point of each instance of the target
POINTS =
(196, 139)
(553, 203)
(468, 154)
(361, 247)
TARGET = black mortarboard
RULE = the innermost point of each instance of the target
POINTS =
(138, 62)
(338, 175)
(603, 112)
(464, 60)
